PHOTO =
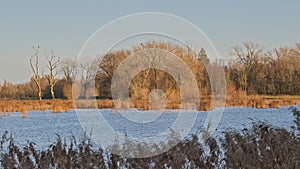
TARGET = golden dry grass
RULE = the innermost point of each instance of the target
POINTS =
(23, 106)
(57, 106)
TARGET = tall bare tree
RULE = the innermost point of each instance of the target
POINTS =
(68, 68)
(36, 73)
(88, 71)
(247, 55)
(53, 63)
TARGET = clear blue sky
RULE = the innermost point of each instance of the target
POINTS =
(65, 26)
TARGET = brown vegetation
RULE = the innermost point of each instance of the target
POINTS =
(23, 106)
(251, 79)
(57, 106)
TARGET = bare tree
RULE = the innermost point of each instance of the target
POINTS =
(36, 74)
(68, 68)
(52, 66)
(8, 90)
(107, 65)
(247, 55)
(88, 71)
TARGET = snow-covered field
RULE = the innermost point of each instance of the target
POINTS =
(41, 127)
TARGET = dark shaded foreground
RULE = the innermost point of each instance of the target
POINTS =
(262, 146)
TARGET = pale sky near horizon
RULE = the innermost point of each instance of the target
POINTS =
(65, 26)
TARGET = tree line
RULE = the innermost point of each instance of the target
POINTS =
(254, 70)
(257, 71)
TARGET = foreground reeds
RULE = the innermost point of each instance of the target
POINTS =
(262, 147)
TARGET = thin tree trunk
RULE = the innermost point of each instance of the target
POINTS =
(52, 91)
(40, 92)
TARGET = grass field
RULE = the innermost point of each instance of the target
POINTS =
(253, 101)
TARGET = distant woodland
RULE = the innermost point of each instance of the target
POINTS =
(254, 71)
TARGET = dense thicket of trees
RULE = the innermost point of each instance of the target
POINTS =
(253, 71)
(257, 71)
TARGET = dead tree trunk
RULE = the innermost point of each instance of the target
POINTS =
(53, 63)
(36, 74)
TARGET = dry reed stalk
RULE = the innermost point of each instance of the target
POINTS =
(57, 107)
(23, 112)
(102, 104)
(275, 104)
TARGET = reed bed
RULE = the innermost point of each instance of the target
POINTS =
(57, 106)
